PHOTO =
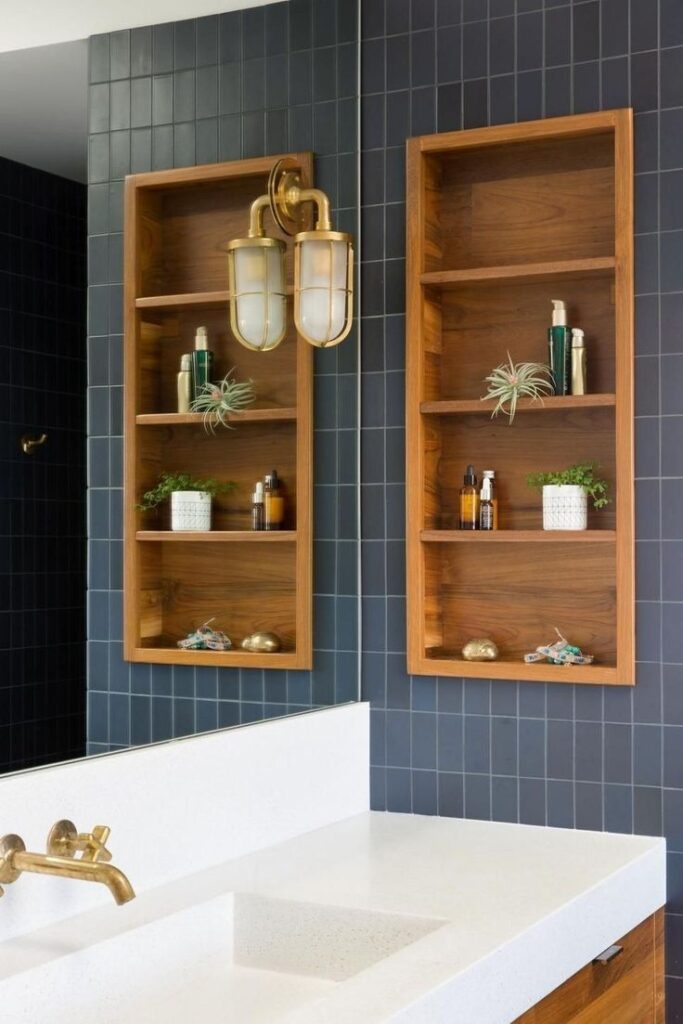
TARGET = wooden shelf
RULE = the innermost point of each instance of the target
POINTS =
(172, 419)
(175, 278)
(518, 536)
(551, 403)
(218, 536)
(186, 300)
(442, 664)
(219, 659)
(189, 300)
(500, 221)
(519, 272)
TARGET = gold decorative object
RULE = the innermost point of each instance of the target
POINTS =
(262, 643)
(63, 843)
(480, 649)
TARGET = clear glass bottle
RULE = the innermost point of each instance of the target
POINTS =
(257, 503)
(490, 476)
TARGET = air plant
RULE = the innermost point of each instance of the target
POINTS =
(511, 381)
(217, 401)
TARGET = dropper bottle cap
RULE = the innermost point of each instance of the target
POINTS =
(257, 496)
(272, 481)
(201, 339)
(470, 477)
(559, 313)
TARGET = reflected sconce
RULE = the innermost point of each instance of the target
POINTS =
(323, 269)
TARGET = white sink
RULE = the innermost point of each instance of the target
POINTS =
(237, 959)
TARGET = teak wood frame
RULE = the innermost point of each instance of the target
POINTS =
(177, 224)
(498, 219)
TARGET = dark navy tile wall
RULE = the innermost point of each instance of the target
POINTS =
(42, 497)
(264, 80)
(585, 757)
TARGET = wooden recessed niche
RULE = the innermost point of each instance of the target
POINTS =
(177, 226)
(501, 220)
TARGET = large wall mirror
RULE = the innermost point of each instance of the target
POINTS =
(77, 116)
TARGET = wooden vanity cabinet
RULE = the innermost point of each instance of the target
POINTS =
(629, 989)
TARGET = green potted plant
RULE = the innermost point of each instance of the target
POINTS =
(190, 499)
(566, 493)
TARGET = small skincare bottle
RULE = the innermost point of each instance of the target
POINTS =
(559, 345)
(488, 502)
(578, 362)
(257, 507)
(273, 503)
(469, 502)
(202, 362)
(185, 383)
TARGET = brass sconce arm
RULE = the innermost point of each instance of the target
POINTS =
(287, 199)
(256, 211)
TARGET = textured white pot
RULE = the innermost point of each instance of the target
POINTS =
(190, 510)
(565, 507)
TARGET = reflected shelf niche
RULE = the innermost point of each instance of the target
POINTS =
(177, 226)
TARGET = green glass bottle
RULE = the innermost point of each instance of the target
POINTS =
(560, 347)
(202, 362)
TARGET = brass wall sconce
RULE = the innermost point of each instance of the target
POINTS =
(323, 269)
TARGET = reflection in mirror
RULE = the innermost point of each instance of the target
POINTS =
(75, 120)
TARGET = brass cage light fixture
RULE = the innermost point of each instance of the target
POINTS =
(323, 269)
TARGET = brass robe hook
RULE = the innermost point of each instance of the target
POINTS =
(29, 444)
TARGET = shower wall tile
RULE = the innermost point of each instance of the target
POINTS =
(42, 498)
(573, 757)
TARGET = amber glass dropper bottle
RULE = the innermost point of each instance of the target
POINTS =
(469, 502)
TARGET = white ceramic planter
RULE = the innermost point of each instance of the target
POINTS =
(190, 510)
(565, 507)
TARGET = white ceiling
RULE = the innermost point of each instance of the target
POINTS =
(40, 22)
(44, 75)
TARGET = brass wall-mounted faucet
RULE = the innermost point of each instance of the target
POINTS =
(63, 843)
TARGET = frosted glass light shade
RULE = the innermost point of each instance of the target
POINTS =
(257, 292)
(323, 297)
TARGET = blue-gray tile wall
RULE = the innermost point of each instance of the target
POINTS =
(42, 497)
(245, 83)
(585, 757)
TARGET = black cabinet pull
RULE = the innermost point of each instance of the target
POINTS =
(608, 955)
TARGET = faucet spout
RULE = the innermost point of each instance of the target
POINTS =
(71, 867)
(64, 842)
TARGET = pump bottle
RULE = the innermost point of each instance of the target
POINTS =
(559, 345)
(202, 362)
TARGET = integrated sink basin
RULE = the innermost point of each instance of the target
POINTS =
(237, 958)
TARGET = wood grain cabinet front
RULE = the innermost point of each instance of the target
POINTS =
(624, 988)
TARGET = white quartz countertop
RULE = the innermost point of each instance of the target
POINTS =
(517, 910)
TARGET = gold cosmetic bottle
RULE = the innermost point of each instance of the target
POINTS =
(578, 362)
(185, 383)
